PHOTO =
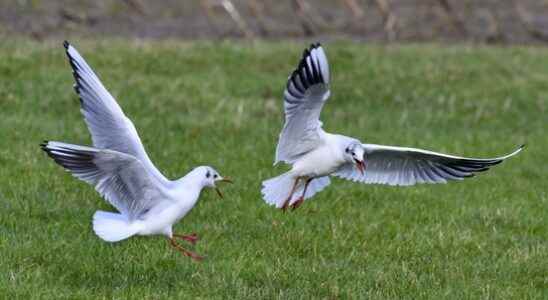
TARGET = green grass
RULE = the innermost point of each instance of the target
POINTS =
(220, 104)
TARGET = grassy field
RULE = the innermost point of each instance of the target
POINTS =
(220, 104)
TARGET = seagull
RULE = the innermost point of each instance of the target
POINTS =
(315, 154)
(121, 171)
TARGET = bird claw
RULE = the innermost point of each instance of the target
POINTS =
(294, 205)
(297, 203)
(194, 256)
(185, 252)
(191, 238)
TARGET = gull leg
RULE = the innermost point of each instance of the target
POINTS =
(191, 238)
(185, 252)
(284, 207)
(301, 199)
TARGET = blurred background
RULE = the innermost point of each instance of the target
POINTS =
(475, 21)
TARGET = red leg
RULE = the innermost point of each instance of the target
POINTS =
(301, 199)
(184, 251)
(284, 207)
(192, 238)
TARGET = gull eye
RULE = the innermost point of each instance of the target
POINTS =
(353, 154)
(207, 174)
(215, 176)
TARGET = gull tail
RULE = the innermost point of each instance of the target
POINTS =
(112, 227)
(276, 190)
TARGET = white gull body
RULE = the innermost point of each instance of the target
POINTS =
(121, 171)
(314, 154)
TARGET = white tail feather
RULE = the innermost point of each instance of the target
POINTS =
(276, 190)
(112, 227)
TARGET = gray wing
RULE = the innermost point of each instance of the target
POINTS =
(120, 178)
(306, 91)
(409, 166)
(109, 127)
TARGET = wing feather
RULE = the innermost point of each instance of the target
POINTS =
(109, 127)
(410, 166)
(306, 91)
(120, 178)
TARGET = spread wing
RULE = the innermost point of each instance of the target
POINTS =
(109, 127)
(120, 178)
(409, 166)
(306, 91)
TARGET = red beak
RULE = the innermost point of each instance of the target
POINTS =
(360, 165)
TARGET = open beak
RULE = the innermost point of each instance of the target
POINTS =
(360, 165)
(219, 192)
(224, 179)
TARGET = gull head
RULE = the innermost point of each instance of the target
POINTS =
(355, 153)
(210, 178)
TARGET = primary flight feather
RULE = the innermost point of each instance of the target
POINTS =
(315, 154)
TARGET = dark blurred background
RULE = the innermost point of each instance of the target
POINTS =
(476, 21)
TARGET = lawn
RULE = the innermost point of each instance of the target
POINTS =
(220, 104)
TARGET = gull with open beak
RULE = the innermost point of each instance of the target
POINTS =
(315, 154)
(121, 171)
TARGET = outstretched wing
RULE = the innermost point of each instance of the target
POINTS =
(120, 178)
(409, 166)
(306, 91)
(109, 127)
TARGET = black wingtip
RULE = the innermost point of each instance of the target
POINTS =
(522, 146)
(44, 145)
(66, 44)
(315, 45)
(306, 53)
(309, 74)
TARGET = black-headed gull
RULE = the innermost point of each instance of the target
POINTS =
(121, 171)
(315, 154)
